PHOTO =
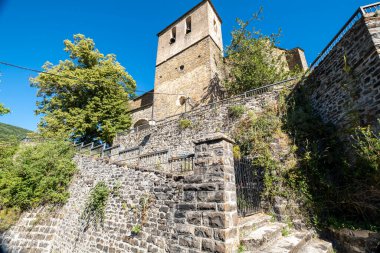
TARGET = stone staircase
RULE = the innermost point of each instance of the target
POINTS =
(259, 233)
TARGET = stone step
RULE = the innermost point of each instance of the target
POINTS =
(316, 245)
(247, 224)
(258, 238)
(288, 244)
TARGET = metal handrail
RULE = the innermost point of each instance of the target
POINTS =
(347, 27)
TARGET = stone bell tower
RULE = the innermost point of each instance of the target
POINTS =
(188, 58)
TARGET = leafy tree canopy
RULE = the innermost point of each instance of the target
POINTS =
(3, 110)
(253, 60)
(91, 103)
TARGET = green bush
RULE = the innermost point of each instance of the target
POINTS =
(236, 111)
(95, 209)
(185, 123)
(136, 229)
(342, 178)
(367, 146)
(31, 176)
(305, 160)
(36, 175)
(254, 59)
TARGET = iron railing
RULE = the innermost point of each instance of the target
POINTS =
(182, 164)
(107, 152)
(247, 94)
(347, 27)
(97, 150)
(249, 186)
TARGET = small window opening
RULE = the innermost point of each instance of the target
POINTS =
(215, 26)
(182, 67)
(174, 35)
(188, 25)
(181, 101)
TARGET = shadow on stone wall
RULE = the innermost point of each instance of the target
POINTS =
(215, 90)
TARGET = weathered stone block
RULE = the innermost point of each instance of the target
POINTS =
(194, 218)
(206, 206)
(214, 219)
(203, 232)
(210, 196)
(208, 245)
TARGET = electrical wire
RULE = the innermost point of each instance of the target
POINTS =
(77, 79)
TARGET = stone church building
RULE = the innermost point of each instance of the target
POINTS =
(189, 66)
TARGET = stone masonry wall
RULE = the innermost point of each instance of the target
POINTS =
(144, 113)
(193, 204)
(191, 81)
(348, 91)
(190, 213)
(167, 135)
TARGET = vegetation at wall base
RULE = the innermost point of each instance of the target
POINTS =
(305, 160)
(33, 175)
(236, 111)
(340, 168)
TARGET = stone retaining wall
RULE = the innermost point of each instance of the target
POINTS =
(177, 141)
(192, 213)
(346, 84)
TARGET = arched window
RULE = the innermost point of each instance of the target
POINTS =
(174, 35)
(141, 124)
(188, 25)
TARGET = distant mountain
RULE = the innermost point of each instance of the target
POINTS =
(8, 132)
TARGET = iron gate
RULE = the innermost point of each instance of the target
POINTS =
(249, 186)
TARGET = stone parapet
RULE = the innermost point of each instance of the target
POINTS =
(196, 212)
(346, 83)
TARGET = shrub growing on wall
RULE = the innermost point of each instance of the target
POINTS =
(253, 60)
(34, 175)
(95, 209)
(38, 174)
(185, 123)
(305, 160)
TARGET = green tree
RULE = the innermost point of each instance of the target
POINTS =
(253, 60)
(3, 110)
(91, 103)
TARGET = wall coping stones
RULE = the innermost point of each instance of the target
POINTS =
(214, 137)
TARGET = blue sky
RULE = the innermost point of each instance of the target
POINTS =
(32, 32)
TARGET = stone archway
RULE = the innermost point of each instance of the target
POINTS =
(141, 124)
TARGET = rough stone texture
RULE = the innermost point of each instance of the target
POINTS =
(258, 233)
(184, 67)
(167, 135)
(204, 22)
(190, 70)
(141, 116)
(185, 214)
(351, 241)
(191, 81)
(296, 59)
(339, 97)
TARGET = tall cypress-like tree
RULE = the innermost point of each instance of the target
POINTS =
(91, 103)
